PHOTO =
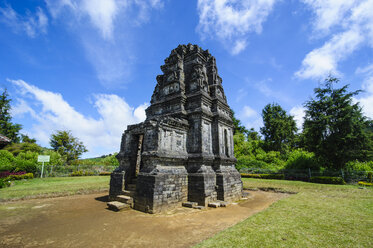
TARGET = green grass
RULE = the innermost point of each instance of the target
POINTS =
(54, 186)
(318, 216)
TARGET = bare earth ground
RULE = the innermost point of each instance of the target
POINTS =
(84, 221)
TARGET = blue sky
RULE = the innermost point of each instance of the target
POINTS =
(89, 66)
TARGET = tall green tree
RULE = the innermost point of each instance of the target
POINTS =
(279, 129)
(67, 145)
(334, 127)
(26, 139)
(8, 128)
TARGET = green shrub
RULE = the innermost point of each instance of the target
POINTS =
(359, 166)
(365, 183)
(4, 183)
(82, 173)
(25, 165)
(16, 148)
(104, 173)
(248, 162)
(299, 159)
(6, 160)
(88, 173)
(76, 174)
(20, 177)
(263, 176)
(327, 180)
(370, 177)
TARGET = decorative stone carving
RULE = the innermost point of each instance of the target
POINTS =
(183, 151)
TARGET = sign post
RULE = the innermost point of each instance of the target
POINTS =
(43, 158)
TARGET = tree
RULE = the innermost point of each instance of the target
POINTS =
(334, 127)
(8, 128)
(279, 129)
(67, 145)
(26, 139)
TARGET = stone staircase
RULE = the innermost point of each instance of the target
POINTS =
(124, 201)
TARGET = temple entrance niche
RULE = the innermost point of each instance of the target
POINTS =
(183, 151)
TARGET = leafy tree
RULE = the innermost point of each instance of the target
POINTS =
(67, 145)
(8, 128)
(334, 127)
(26, 139)
(279, 129)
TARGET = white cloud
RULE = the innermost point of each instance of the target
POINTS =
(101, 136)
(347, 26)
(323, 61)
(104, 28)
(269, 92)
(250, 118)
(101, 13)
(230, 21)
(248, 112)
(366, 101)
(298, 112)
(31, 24)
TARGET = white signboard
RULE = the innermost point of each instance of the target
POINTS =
(43, 158)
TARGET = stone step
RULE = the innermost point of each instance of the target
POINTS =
(189, 204)
(117, 206)
(124, 199)
(128, 193)
(214, 204)
(223, 204)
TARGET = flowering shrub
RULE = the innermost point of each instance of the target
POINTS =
(7, 173)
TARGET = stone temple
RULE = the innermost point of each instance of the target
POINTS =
(183, 151)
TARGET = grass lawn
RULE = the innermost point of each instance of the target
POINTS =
(54, 186)
(318, 216)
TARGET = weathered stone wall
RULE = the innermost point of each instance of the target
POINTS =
(229, 183)
(161, 190)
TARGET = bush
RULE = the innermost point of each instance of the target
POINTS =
(25, 165)
(263, 176)
(365, 184)
(248, 162)
(20, 177)
(370, 177)
(81, 173)
(4, 183)
(89, 173)
(7, 173)
(327, 180)
(6, 160)
(76, 174)
(359, 166)
(300, 159)
(104, 173)
(16, 148)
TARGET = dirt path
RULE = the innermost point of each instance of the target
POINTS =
(84, 221)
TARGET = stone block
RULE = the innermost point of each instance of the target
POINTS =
(189, 204)
(214, 204)
(117, 206)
